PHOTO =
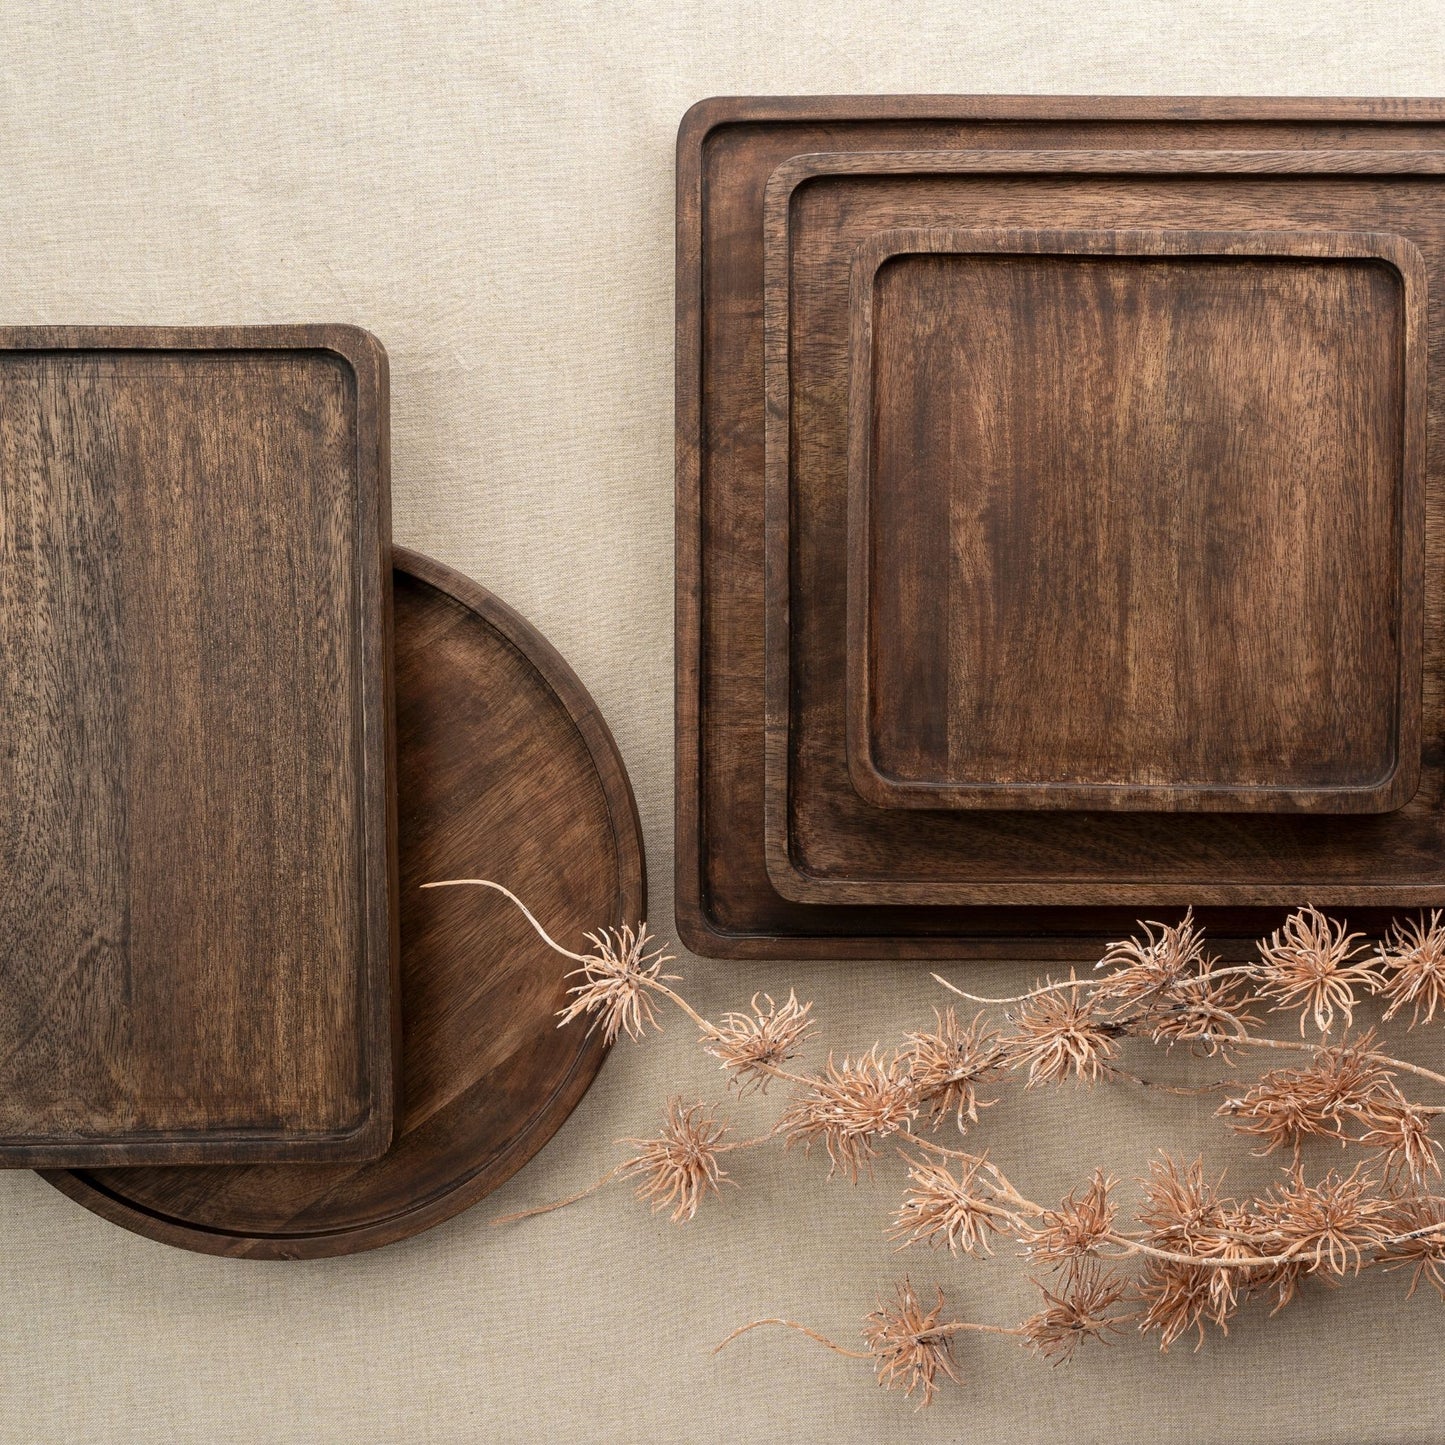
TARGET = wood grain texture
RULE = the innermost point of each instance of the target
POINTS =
(1126, 513)
(194, 788)
(505, 770)
(728, 903)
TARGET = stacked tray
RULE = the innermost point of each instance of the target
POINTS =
(1056, 529)
(232, 1019)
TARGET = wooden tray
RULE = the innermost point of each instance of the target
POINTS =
(505, 770)
(1097, 486)
(826, 842)
(728, 904)
(197, 917)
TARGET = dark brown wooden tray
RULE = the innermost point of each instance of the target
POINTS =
(197, 919)
(1098, 482)
(825, 842)
(728, 904)
(505, 770)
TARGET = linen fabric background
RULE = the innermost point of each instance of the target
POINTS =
(489, 188)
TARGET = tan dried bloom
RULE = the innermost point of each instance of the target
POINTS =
(615, 982)
(1186, 1213)
(1072, 1232)
(909, 1346)
(1414, 968)
(1208, 1013)
(849, 1107)
(947, 1066)
(1312, 964)
(940, 1210)
(1152, 963)
(1183, 1211)
(1343, 1084)
(1401, 1133)
(1328, 1226)
(1178, 1297)
(1061, 1034)
(1078, 1311)
(1418, 1238)
(752, 1046)
(680, 1165)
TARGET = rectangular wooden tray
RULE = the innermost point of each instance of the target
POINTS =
(1098, 482)
(195, 788)
(728, 902)
(825, 840)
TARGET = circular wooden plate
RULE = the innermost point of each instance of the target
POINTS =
(505, 770)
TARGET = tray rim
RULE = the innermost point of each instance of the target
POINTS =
(1401, 779)
(366, 360)
(439, 1206)
(794, 881)
(878, 934)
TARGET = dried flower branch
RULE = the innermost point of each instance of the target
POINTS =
(617, 976)
(1191, 1256)
(910, 1349)
(680, 1165)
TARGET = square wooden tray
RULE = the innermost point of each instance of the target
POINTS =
(1098, 482)
(868, 881)
(195, 792)
(824, 840)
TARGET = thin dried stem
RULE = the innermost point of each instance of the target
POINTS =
(526, 912)
(801, 1329)
(561, 1203)
(1064, 985)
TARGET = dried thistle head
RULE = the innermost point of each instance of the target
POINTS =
(1183, 1211)
(947, 1065)
(939, 1209)
(1312, 964)
(1401, 1133)
(1151, 964)
(1079, 1310)
(1208, 1013)
(617, 981)
(752, 1046)
(849, 1107)
(1330, 1226)
(910, 1345)
(1418, 1238)
(1178, 1298)
(679, 1166)
(1070, 1233)
(1063, 1034)
(1413, 963)
(1339, 1085)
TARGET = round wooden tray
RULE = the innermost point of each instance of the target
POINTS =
(505, 770)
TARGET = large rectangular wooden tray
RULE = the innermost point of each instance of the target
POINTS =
(197, 917)
(828, 839)
(845, 876)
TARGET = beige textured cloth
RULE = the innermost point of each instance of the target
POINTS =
(488, 187)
